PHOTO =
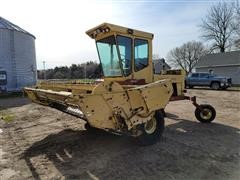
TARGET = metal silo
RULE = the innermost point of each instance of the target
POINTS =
(17, 57)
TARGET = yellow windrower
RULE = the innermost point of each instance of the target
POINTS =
(130, 99)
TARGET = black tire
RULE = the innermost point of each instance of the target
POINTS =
(209, 116)
(190, 86)
(215, 85)
(147, 138)
(92, 130)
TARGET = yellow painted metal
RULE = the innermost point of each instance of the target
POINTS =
(116, 29)
(110, 105)
(176, 76)
(72, 87)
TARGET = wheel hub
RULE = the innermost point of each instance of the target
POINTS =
(215, 86)
(150, 126)
(206, 114)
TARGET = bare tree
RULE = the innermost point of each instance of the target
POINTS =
(187, 55)
(237, 15)
(218, 26)
(237, 23)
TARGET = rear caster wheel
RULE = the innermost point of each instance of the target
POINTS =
(205, 113)
(151, 130)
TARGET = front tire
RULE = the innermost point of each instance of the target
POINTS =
(152, 130)
(205, 113)
(187, 86)
(215, 85)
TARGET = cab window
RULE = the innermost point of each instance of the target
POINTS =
(140, 54)
(194, 75)
(204, 75)
(108, 55)
(125, 51)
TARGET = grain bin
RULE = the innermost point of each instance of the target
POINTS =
(17, 57)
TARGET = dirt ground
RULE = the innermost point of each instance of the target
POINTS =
(42, 143)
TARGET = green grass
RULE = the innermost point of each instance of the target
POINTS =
(6, 116)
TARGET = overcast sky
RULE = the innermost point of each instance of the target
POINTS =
(60, 25)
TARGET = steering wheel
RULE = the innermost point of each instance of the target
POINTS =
(124, 59)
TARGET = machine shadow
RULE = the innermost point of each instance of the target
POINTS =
(81, 154)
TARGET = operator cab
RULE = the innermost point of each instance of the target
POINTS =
(125, 54)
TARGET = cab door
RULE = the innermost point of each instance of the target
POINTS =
(142, 63)
(204, 79)
(194, 79)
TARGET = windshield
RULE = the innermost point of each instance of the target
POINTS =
(108, 55)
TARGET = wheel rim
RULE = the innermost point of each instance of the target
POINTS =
(206, 114)
(215, 86)
(150, 126)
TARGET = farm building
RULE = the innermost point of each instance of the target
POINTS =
(225, 64)
(17, 57)
(159, 65)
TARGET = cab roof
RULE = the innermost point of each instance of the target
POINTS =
(107, 28)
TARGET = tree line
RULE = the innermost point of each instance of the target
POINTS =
(89, 70)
